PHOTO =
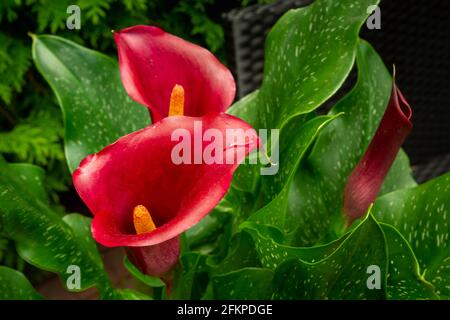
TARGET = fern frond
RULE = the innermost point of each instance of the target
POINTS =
(15, 60)
(8, 9)
(36, 140)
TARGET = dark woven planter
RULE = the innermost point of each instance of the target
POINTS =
(414, 35)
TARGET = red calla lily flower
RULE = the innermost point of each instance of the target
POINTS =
(141, 197)
(152, 62)
(138, 169)
(366, 179)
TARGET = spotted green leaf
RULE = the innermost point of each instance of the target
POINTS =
(96, 109)
(242, 254)
(275, 187)
(243, 284)
(246, 176)
(33, 176)
(421, 215)
(404, 280)
(341, 275)
(316, 194)
(272, 250)
(309, 53)
(14, 286)
(42, 237)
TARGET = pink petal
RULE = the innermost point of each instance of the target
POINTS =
(152, 62)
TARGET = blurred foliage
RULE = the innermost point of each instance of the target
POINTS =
(31, 128)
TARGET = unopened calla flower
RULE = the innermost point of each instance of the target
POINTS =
(367, 178)
(152, 62)
(141, 195)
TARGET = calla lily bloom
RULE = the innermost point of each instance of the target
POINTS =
(141, 195)
(152, 62)
(367, 178)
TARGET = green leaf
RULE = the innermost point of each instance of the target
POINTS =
(42, 237)
(96, 109)
(421, 215)
(144, 278)
(316, 193)
(404, 280)
(246, 176)
(33, 177)
(247, 107)
(129, 294)
(309, 53)
(243, 284)
(342, 274)
(190, 277)
(204, 235)
(275, 188)
(14, 286)
(242, 255)
(272, 252)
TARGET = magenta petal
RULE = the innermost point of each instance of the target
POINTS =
(366, 179)
(156, 260)
(152, 62)
(138, 170)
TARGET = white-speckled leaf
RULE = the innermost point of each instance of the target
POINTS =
(421, 215)
(246, 177)
(96, 109)
(247, 108)
(33, 177)
(316, 193)
(42, 237)
(404, 280)
(242, 254)
(14, 286)
(243, 284)
(309, 53)
(343, 274)
(275, 188)
(269, 244)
